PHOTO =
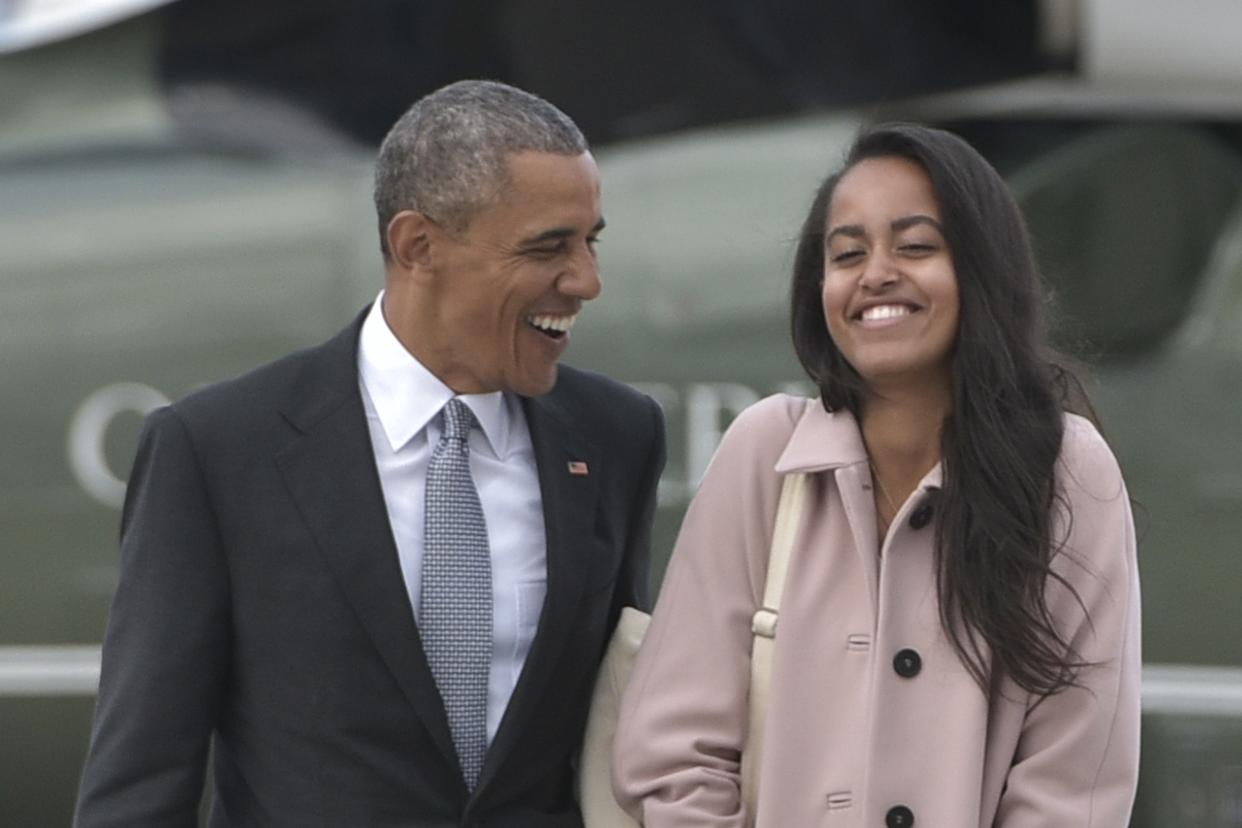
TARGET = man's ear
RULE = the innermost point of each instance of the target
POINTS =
(409, 235)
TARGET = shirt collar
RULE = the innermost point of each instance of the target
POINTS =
(406, 396)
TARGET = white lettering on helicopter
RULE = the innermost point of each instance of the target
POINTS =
(89, 428)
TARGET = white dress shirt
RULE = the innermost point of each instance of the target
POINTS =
(403, 402)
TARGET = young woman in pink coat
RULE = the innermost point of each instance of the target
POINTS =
(958, 642)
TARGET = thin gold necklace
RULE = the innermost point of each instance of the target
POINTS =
(875, 475)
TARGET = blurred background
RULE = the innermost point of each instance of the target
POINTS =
(185, 193)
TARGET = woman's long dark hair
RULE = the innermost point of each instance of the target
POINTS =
(1001, 439)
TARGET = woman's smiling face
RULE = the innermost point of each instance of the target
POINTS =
(889, 291)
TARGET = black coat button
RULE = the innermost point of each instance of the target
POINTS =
(899, 816)
(922, 516)
(907, 663)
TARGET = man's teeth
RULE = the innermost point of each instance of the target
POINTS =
(885, 312)
(559, 324)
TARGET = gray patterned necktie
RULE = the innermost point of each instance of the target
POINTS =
(455, 612)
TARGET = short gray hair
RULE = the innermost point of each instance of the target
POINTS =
(445, 157)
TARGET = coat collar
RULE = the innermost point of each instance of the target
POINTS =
(330, 471)
(569, 505)
(823, 440)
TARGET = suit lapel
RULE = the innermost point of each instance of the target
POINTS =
(569, 517)
(331, 475)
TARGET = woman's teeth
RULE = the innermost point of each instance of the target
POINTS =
(884, 312)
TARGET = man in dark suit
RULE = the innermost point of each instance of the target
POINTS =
(275, 539)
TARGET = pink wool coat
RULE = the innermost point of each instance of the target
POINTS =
(849, 739)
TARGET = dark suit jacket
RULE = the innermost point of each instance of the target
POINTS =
(261, 600)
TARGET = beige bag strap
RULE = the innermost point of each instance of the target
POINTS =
(763, 625)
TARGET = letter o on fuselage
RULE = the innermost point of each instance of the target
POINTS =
(88, 431)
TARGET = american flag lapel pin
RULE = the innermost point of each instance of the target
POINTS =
(578, 467)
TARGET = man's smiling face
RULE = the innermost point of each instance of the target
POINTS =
(509, 286)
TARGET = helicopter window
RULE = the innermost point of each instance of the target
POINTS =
(1219, 321)
(1124, 220)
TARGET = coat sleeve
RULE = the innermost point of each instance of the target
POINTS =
(633, 580)
(164, 652)
(1077, 756)
(684, 713)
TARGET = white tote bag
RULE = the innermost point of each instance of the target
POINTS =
(599, 806)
